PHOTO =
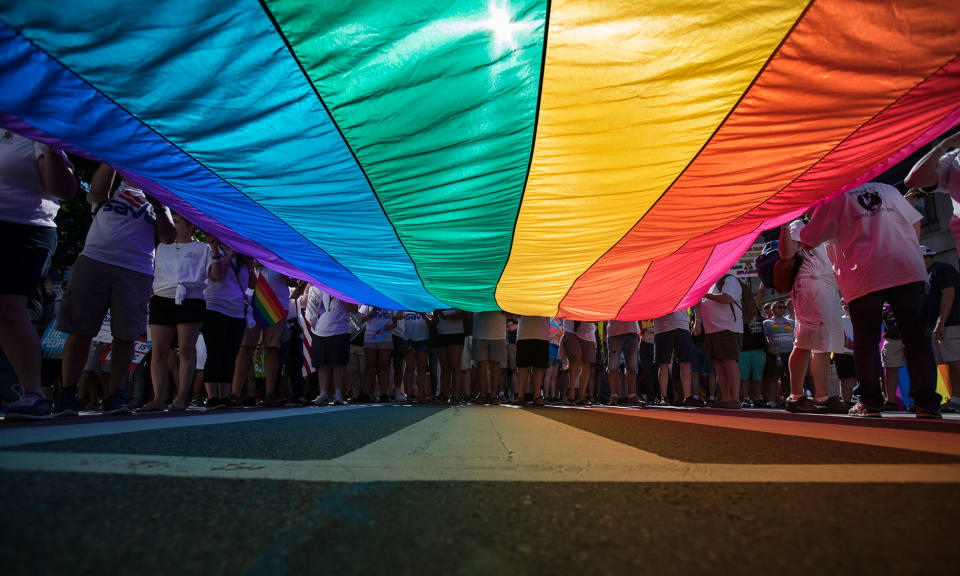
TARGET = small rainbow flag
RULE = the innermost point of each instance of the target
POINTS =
(267, 309)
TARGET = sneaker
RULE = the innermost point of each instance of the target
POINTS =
(661, 402)
(338, 398)
(746, 403)
(691, 402)
(950, 407)
(116, 403)
(249, 402)
(196, 403)
(725, 404)
(67, 404)
(759, 403)
(834, 405)
(864, 412)
(399, 396)
(803, 405)
(889, 406)
(30, 406)
(322, 399)
(273, 402)
(928, 414)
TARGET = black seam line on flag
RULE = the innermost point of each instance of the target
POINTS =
(700, 151)
(811, 167)
(346, 143)
(647, 271)
(533, 145)
(829, 152)
(198, 162)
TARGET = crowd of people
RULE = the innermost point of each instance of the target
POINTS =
(860, 276)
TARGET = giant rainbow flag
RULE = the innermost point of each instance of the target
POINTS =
(588, 158)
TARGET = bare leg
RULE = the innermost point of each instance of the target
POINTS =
(241, 370)
(162, 336)
(75, 352)
(685, 379)
(19, 340)
(187, 338)
(120, 359)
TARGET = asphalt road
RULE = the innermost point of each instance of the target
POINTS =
(479, 490)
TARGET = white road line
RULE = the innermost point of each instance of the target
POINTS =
(40, 433)
(480, 445)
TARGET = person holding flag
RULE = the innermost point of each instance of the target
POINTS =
(270, 303)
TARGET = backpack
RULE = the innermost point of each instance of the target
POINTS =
(765, 261)
(776, 272)
(743, 304)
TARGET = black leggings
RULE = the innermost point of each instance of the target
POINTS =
(222, 335)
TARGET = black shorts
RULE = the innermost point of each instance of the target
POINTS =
(166, 312)
(533, 354)
(400, 348)
(449, 339)
(330, 350)
(845, 366)
(27, 251)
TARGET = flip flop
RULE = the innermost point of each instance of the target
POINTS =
(149, 407)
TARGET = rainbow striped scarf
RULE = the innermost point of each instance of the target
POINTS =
(267, 308)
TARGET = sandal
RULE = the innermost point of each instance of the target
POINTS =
(149, 407)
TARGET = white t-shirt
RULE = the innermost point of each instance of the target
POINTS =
(876, 246)
(375, 327)
(490, 326)
(672, 321)
(23, 198)
(122, 231)
(718, 317)
(948, 173)
(227, 295)
(415, 327)
(587, 331)
(533, 328)
(618, 327)
(333, 319)
(445, 326)
(817, 262)
(187, 264)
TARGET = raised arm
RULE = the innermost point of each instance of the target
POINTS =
(101, 183)
(924, 172)
(56, 175)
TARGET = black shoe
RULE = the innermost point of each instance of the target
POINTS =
(803, 405)
(116, 403)
(928, 414)
(67, 404)
(216, 403)
(248, 402)
(834, 405)
(692, 402)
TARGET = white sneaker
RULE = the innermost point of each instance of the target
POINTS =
(338, 398)
(322, 399)
(399, 396)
